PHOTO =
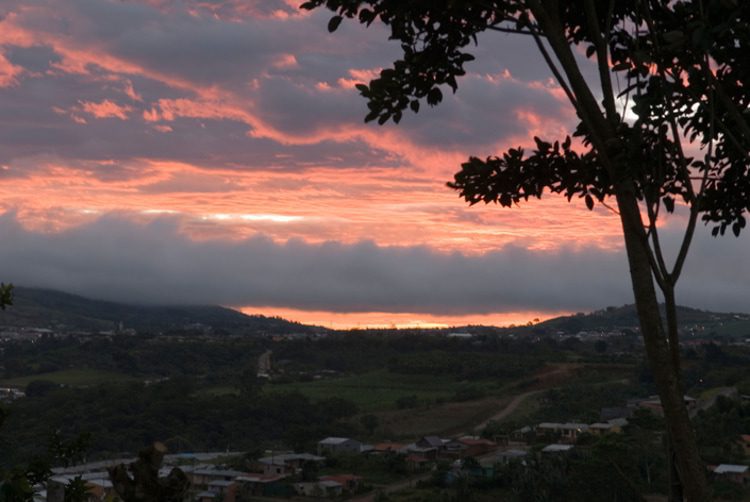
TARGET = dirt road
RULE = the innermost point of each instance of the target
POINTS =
(509, 408)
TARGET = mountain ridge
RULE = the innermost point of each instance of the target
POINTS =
(46, 308)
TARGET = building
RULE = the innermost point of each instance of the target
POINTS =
(653, 404)
(286, 463)
(262, 485)
(98, 485)
(568, 432)
(349, 482)
(557, 448)
(468, 447)
(739, 474)
(611, 426)
(338, 446)
(508, 456)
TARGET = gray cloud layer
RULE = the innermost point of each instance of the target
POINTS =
(115, 258)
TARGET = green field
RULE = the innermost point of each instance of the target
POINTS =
(72, 377)
(378, 390)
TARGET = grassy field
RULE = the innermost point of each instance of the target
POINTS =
(379, 390)
(72, 377)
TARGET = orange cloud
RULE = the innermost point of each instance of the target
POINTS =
(106, 109)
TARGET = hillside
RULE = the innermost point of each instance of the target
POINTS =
(54, 309)
(620, 318)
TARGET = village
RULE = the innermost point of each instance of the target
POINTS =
(323, 474)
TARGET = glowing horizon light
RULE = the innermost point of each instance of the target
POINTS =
(399, 320)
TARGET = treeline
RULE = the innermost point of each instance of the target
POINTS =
(140, 356)
(122, 418)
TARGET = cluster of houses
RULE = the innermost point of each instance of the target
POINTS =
(290, 474)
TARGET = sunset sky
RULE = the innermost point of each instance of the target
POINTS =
(214, 152)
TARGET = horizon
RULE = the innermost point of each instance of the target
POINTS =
(242, 174)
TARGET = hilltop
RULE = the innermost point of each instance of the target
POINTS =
(43, 308)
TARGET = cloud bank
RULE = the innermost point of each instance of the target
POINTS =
(119, 259)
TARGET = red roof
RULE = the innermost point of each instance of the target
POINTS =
(387, 446)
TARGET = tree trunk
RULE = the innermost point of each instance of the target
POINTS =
(690, 467)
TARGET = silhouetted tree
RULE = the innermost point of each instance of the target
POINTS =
(679, 68)
(140, 482)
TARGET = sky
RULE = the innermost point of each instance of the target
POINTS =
(214, 152)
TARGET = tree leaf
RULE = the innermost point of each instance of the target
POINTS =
(334, 23)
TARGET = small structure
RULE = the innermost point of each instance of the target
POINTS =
(261, 485)
(337, 445)
(416, 462)
(202, 477)
(557, 448)
(611, 426)
(508, 456)
(286, 463)
(653, 404)
(319, 489)
(522, 435)
(568, 432)
(97, 483)
(349, 482)
(739, 474)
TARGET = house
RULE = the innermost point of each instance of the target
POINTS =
(653, 404)
(557, 448)
(739, 474)
(416, 462)
(319, 489)
(467, 446)
(476, 446)
(98, 485)
(349, 482)
(262, 485)
(523, 435)
(338, 446)
(431, 442)
(612, 426)
(226, 491)
(508, 456)
(286, 463)
(201, 477)
(568, 432)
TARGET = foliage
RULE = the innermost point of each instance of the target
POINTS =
(140, 481)
(718, 430)
(76, 490)
(6, 295)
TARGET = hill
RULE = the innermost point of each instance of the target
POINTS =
(622, 318)
(44, 308)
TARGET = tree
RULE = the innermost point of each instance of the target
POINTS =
(683, 71)
(6, 295)
(139, 481)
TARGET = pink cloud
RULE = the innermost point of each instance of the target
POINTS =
(106, 109)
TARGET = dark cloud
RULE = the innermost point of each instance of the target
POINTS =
(118, 259)
(37, 58)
